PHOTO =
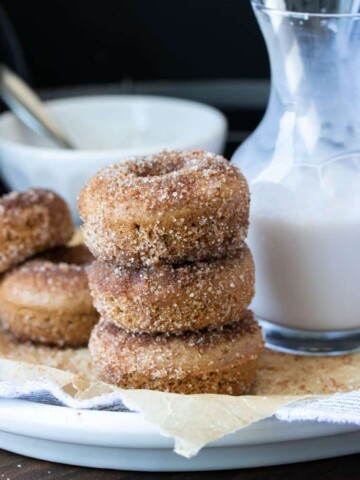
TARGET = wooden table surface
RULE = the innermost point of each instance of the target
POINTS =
(16, 467)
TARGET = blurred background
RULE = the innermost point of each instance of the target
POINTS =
(206, 50)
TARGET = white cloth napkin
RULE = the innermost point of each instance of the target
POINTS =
(337, 408)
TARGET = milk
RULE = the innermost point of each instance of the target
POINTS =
(307, 270)
(303, 167)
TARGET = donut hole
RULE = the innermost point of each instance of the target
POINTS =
(156, 167)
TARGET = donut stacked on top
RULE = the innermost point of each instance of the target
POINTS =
(44, 293)
(173, 278)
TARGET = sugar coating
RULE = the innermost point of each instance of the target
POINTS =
(166, 208)
(143, 360)
(168, 298)
(168, 233)
(47, 300)
(32, 222)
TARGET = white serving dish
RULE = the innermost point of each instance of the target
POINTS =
(106, 129)
(126, 441)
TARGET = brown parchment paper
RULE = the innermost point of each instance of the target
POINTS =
(192, 420)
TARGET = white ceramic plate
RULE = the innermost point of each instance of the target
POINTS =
(126, 441)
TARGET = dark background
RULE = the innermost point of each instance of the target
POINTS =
(73, 42)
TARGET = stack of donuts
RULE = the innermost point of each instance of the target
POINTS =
(172, 279)
(44, 293)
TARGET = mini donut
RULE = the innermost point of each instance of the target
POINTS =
(217, 361)
(47, 300)
(166, 208)
(172, 299)
(32, 222)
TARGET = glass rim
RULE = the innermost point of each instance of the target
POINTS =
(289, 13)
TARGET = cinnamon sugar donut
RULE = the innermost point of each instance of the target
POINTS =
(47, 300)
(218, 361)
(32, 222)
(166, 208)
(172, 299)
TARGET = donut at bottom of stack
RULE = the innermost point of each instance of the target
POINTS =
(220, 361)
(47, 300)
(173, 299)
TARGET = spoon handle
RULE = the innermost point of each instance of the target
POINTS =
(28, 107)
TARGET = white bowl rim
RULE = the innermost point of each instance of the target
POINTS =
(69, 155)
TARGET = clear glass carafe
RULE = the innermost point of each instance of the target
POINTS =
(303, 167)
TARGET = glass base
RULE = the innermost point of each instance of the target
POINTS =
(306, 342)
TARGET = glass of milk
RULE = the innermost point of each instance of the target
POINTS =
(303, 166)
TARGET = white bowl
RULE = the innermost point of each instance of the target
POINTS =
(105, 129)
